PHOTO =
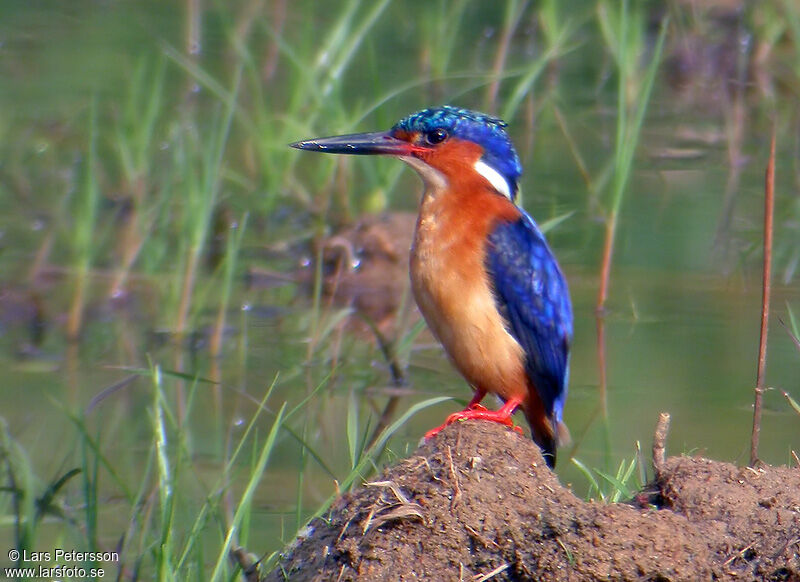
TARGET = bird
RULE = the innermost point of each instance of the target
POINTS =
(482, 274)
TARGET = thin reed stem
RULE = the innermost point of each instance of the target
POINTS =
(605, 267)
(514, 12)
(769, 207)
(84, 231)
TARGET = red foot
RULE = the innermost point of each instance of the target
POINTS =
(478, 412)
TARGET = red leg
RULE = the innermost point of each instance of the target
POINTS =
(475, 411)
(476, 398)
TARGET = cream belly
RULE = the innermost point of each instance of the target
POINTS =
(458, 304)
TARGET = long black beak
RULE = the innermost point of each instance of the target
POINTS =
(360, 144)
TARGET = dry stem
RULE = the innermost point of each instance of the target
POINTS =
(769, 205)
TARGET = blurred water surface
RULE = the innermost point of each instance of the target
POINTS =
(681, 324)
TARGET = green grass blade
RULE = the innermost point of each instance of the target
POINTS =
(552, 223)
(352, 428)
(593, 484)
(119, 480)
(244, 506)
(348, 49)
(369, 457)
(792, 402)
(628, 137)
(619, 481)
(163, 561)
(533, 72)
(793, 332)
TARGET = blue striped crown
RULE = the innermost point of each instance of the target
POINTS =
(484, 130)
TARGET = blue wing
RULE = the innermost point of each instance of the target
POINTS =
(532, 295)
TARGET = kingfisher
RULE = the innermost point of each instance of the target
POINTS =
(482, 273)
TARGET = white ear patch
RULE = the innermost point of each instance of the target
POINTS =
(494, 178)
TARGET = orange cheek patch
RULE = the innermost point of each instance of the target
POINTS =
(454, 156)
(455, 148)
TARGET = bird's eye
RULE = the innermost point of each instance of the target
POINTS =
(436, 136)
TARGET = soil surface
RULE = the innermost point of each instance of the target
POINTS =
(478, 503)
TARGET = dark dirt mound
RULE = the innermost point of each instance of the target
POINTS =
(478, 503)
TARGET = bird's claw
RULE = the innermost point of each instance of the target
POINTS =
(475, 412)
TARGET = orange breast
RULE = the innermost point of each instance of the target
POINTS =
(452, 288)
